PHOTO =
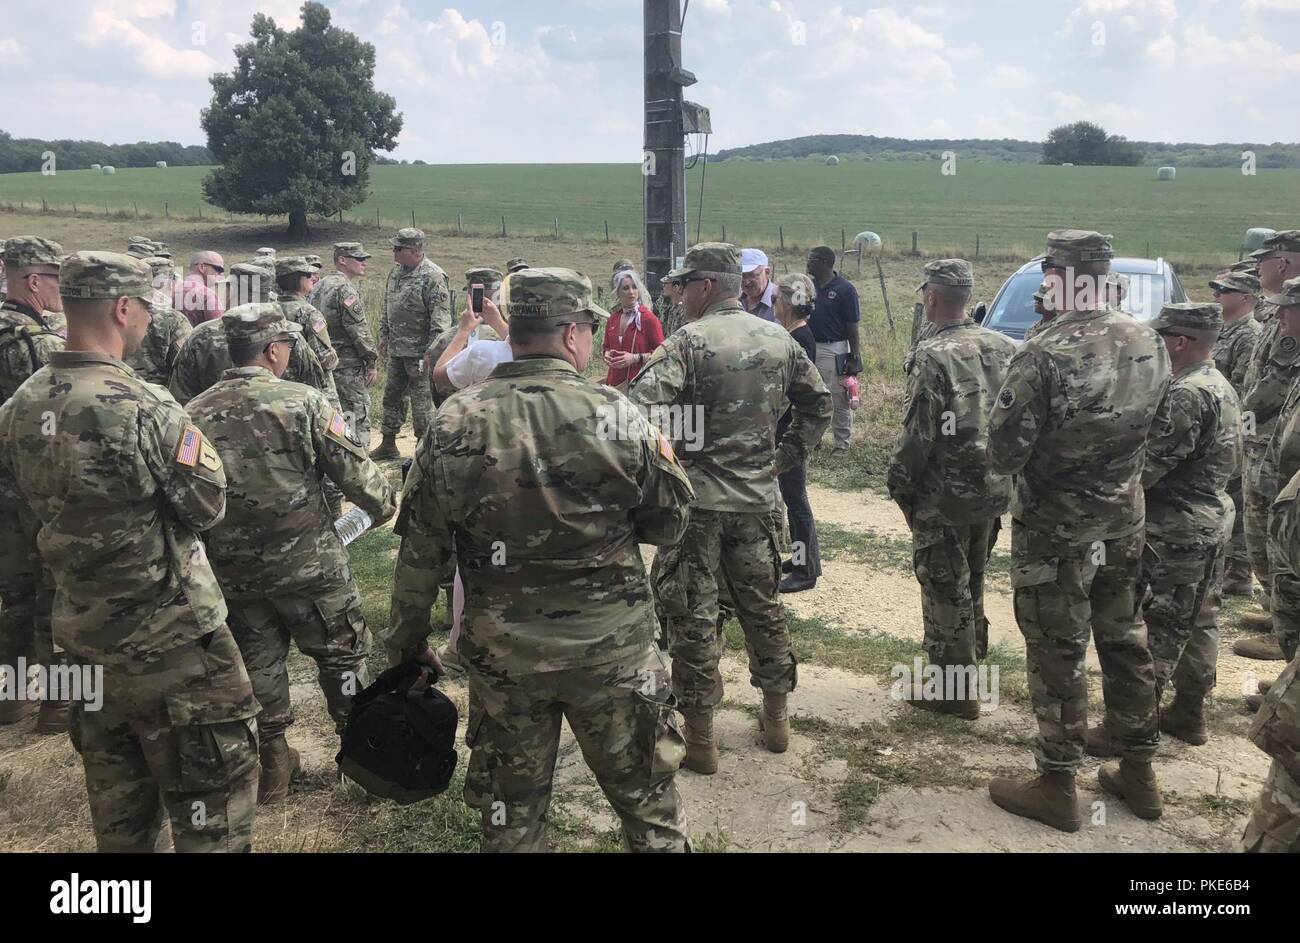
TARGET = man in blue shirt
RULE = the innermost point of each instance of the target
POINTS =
(834, 324)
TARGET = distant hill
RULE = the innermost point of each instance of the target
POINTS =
(25, 154)
(1006, 151)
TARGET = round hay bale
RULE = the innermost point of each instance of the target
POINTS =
(1167, 173)
(1067, 165)
(832, 161)
(108, 170)
(868, 242)
(160, 164)
(96, 166)
(1255, 238)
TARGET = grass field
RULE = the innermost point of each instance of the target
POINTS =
(1008, 207)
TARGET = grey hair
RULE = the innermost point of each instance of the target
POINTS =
(642, 295)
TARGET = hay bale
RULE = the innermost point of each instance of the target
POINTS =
(1067, 165)
(1255, 238)
(832, 161)
(96, 166)
(160, 164)
(1167, 173)
(108, 170)
(868, 242)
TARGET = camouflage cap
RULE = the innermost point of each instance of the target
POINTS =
(294, 265)
(258, 323)
(1043, 289)
(1246, 267)
(141, 248)
(489, 278)
(798, 287)
(350, 250)
(160, 265)
(515, 264)
(1203, 320)
(952, 273)
(252, 268)
(720, 258)
(1237, 281)
(1288, 296)
(1070, 247)
(553, 294)
(313, 259)
(263, 264)
(33, 251)
(408, 238)
(107, 276)
(1288, 240)
(266, 252)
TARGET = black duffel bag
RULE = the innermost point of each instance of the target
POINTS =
(400, 741)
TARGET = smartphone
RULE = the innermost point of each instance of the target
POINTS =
(476, 295)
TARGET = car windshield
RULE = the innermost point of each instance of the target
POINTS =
(1014, 309)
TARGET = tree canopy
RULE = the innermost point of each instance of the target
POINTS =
(1085, 143)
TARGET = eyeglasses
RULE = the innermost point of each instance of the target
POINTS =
(220, 269)
(1228, 291)
(1050, 265)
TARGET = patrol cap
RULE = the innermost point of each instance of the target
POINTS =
(1070, 247)
(160, 265)
(265, 252)
(33, 252)
(553, 294)
(1236, 281)
(1288, 296)
(257, 325)
(108, 276)
(251, 268)
(489, 278)
(515, 264)
(1041, 294)
(1246, 267)
(951, 273)
(1201, 320)
(294, 265)
(408, 238)
(313, 260)
(720, 258)
(798, 287)
(141, 248)
(1288, 240)
(350, 250)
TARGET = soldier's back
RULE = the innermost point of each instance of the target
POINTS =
(205, 356)
(25, 347)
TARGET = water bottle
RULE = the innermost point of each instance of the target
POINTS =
(352, 525)
(850, 385)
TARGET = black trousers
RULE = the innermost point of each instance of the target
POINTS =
(803, 528)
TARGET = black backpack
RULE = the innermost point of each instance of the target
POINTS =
(400, 741)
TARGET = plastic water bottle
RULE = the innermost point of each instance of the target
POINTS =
(352, 525)
(850, 385)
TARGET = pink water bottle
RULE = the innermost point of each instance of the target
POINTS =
(850, 385)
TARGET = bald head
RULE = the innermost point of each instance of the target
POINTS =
(208, 264)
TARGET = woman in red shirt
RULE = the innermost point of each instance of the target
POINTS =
(633, 331)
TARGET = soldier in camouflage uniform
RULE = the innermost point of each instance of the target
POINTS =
(1191, 454)
(168, 329)
(1043, 308)
(338, 297)
(544, 511)
(279, 442)
(294, 278)
(1274, 366)
(417, 310)
(29, 335)
(1238, 293)
(122, 489)
(940, 478)
(669, 309)
(740, 373)
(516, 265)
(1077, 529)
(142, 247)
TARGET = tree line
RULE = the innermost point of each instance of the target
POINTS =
(27, 155)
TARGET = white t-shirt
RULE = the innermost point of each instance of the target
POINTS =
(474, 363)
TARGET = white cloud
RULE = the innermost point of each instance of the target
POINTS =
(1011, 76)
(151, 54)
(12, 53)
(1163, 52)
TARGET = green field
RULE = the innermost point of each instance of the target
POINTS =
(1008, 207)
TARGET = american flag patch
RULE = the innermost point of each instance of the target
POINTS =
(337, 426)
(191, 442)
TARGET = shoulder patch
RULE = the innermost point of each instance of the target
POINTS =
(209, 457)
(187, 453)
(1288, 345)
(338, 427)
(1007, 398)
(665, 449)
(351, 301)
(317, 323)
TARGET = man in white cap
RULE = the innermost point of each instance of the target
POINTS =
(757, 292)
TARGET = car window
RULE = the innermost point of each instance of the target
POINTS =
(1146, 296)
(1014, 307)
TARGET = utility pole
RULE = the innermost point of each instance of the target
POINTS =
(666, 125)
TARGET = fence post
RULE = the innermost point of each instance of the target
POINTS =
(503, 227)
(724, 232)
(843, 240)
(137, 210)
(977, 245)
(412, 219)
(166, 211)
(459, 224)
(557, 227)
(915, 243)
(781, 230)
(45, 208)
(607, 232)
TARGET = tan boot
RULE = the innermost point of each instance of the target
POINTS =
(774, 721)
(701, 747)
(1134, 781)
(386, 449)
(1239, 586)
(1100, 743)
(1185, 718)
(14, 712)
(1254, 702)
(53, 717)
(1264, 687)
(967, 707)
(277, 770)
(1263, 648)
(1257, 622)
(1049, 798)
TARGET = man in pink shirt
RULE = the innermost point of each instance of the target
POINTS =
(196, 297)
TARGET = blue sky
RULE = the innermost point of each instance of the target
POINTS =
(560, 80)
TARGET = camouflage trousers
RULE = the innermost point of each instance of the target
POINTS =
(1274, 824)
(1065, 591)
(407, 379)
(1237, 564)
(327, 626)
(25, 630)
(1255, 506)
(622, 717)
(1286, 611)
(738, 551)
(1178, 589)
(175, 733)
(354, 401)
(949, 564)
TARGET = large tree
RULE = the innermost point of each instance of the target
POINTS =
(1085, 143)
(296, 124)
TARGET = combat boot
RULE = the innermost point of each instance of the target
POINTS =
(279, 764)
(53, 717)
(386, 449)
(967, 708)
(1263, 648)
(1264, 687)
(1185, 718)
(701, 747)
(1257, 622)
(774, 721)
(1254, 702)
(1241, 586)
(1048, 798)
(1134, 781)
(1100, 743)
(16, 711)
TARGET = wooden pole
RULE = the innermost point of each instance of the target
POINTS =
(977, 245)
(724, 232)
(781, 231)
(412, 219)
(503, 227)
(884, 292)
(606, 232)
(557, 227)
(458, 223)
(166, 211)
(916, 243)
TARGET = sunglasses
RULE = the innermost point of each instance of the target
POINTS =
(1049, 265)
(1228, 291)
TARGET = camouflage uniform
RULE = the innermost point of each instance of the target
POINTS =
(339, 299)
(314, 329)
(277, 442)
(1232, 353)
(1078, 514)
(741, 373)
(122, 489)
(940, 475)
(545, 513)
(417, 309)
(204, 358)
(1046, 318)
(1191, 455)
(168, 330)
